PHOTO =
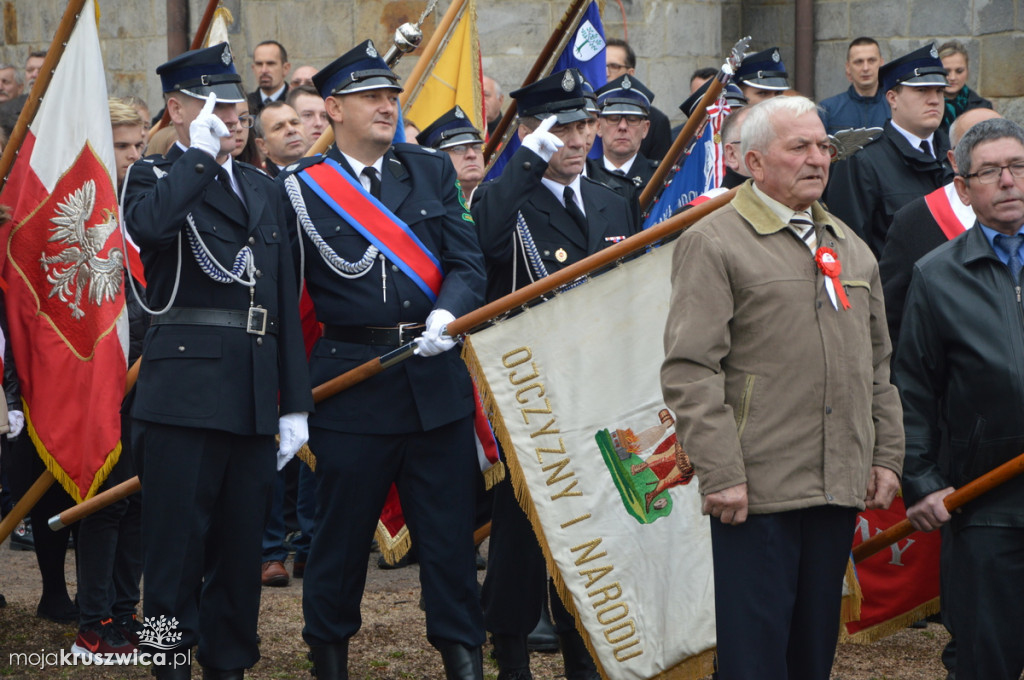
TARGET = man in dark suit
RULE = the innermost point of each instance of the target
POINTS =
(390, 255)
(537, 218)
(222, 361)
(270, 65)
(622, 125)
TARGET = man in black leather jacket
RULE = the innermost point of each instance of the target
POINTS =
(960, 368)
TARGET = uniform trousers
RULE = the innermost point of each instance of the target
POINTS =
(204, 505)
(987, 566)
(513, 592)
(434, 473)
(778, 592)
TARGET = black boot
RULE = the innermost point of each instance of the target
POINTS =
(462, 662)
(543, 638)
(214, 674)
(330, 662)
(512, 656)
(169, 672)
(578, 664)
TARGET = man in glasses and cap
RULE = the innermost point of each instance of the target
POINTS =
(223, 370)
(907, 161)
(390, 257)
(454, 134)
(542, 205)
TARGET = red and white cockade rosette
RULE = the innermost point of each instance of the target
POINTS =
(828, 263)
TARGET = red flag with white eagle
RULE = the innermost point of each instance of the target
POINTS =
(63, 259)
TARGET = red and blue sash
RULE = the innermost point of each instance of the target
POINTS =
(346, 196)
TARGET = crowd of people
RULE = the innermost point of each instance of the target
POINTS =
(819, 355)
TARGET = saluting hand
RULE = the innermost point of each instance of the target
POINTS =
(542, 141)
(206, 131)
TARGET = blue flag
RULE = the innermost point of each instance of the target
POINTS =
(584, 51)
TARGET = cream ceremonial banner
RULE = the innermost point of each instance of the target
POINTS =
(573, 385)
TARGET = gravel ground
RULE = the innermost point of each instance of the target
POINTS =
(392, 644)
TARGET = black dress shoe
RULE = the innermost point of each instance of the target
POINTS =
(462, 662)
(173, 672)
(543, 638)
(214, 674)
(330, 662)
(512, 656)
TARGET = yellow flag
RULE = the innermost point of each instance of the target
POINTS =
(453, 78)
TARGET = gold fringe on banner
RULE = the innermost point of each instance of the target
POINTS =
(850, 610)
(493, 475)
(890, 627)
(393, 548)
(692, 668)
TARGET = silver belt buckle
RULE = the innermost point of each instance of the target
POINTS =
(256, 323)
(401, 332)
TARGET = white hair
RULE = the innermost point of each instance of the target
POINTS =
(759, 127)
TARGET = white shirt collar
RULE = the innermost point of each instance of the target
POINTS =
(357, 168)
(913, 139)
(559, 190)
(784, 212)
(625, 167)
(273, 95)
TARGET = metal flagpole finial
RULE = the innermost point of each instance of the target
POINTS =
(735, 57)
(408, 36)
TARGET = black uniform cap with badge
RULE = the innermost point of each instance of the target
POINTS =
(920, 68)
(733, 97)
(451, 129)
(560, 94)
(358, 70)
(625, 96)
(763, 70)
(197, 73)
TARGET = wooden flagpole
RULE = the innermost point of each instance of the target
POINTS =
(457, 327)
(28, 114)
(965, 494)
(556, 42)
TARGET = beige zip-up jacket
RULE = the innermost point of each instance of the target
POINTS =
(770, 383)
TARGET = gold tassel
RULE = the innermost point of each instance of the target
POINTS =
(393, 548)
(890, 627)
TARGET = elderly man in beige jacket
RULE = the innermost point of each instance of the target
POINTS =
(777, 368)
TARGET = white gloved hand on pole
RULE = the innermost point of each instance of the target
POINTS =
(206, 131)
(542, 142)
(294, 432)
(16, 421)
(435, 340)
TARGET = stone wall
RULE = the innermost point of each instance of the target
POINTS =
(671, 37)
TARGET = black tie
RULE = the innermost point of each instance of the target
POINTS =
(926, 149)
(620, 172)
(574, 210)
(371, 174)
(225, 183)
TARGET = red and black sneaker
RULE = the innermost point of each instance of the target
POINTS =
(131, 628)
(102, 643)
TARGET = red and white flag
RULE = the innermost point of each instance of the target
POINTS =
(63, 263)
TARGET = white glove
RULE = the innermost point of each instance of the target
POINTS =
(206, 131)
(434, 340)
(294, 433)
(542, 142)
(16, 421)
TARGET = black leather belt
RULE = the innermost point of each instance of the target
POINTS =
(255, 321)
(395, 336)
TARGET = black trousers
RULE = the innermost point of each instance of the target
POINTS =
(434, 472)
(987, 566)
(778, 592)
(513, 592)
(204, 498)
(110, 548)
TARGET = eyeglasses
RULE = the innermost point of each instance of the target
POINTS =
(611, 66)
(991, 174)
(246, 121)
(631, 121)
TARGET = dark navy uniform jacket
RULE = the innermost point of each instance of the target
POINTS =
(418, 186)
(559, 241)
(210, 376)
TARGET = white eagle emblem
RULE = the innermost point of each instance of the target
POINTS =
(77, 266)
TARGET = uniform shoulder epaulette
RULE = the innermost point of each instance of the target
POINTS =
(156, 159)
(301, 165)
(404, 148)
(593, 182)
